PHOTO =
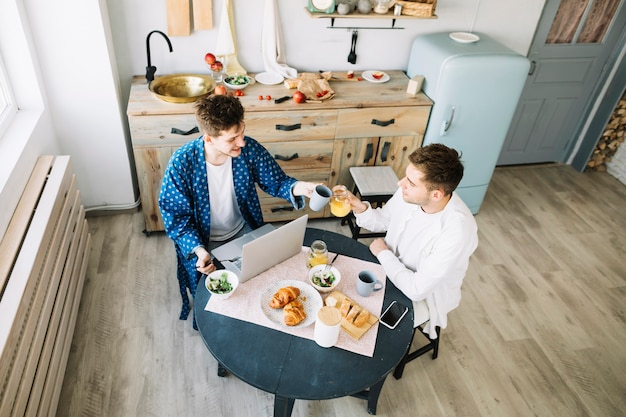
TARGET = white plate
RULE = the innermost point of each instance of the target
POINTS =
(269, 78)
(369, 77)
(310, 298)
(464, 37)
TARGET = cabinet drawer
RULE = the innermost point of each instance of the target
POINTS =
(305, 155)
(291, 125)
(157, 130)
(382, 121)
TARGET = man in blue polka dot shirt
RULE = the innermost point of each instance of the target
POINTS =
(208, 195)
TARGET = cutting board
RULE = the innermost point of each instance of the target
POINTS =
(348, 327)
(178, 17)
(202, 14)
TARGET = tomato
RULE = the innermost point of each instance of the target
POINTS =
(268, 98)
(239, 93)
(260, 97)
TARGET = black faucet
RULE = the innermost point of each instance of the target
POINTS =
(150, 70)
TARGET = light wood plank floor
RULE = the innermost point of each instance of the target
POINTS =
(540, 330)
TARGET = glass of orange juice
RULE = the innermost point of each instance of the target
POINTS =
(318, 254)
(339, 204)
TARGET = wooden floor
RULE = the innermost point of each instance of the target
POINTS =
(540, 330)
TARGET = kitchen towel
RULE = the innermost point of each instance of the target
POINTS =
(272, 47)
(226, 41)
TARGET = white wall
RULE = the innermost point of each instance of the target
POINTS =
(309, 45)
(86, 53)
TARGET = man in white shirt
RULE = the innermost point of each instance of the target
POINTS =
(431, 233)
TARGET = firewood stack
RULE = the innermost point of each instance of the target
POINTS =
(610, 140)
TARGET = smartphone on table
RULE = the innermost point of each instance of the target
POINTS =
(393, 314)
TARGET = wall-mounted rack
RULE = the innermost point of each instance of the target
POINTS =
(355, 15)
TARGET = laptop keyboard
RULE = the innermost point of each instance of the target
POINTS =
(237, 262)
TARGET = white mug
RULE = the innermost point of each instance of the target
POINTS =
(327, 326)
(320, 197)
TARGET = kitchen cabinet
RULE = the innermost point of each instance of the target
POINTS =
(363, 124)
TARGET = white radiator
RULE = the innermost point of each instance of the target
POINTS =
(43, 259)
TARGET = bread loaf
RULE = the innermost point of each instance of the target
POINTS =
(362, 318)
(284, 296)
(293, 313)
(353, 312)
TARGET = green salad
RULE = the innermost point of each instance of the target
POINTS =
(237, 80)
(220, 285)
(323, 278)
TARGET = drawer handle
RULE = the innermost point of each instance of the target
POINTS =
(284, 208)
(369, 152)
(385, 151)
(286, 158)
(182, 132)
(383, 124)
(288, 128)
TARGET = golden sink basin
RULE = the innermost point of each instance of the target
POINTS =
(182, 88)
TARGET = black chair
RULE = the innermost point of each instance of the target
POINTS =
(421, 315)
(375, 184)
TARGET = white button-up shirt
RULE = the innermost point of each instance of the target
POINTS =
(429, 253)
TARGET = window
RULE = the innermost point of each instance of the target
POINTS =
(8, 107)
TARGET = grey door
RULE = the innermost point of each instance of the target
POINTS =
(573, 41)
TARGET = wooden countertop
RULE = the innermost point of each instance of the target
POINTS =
(348, 94)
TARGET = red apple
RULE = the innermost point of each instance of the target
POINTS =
(220, 90)
(299, 97)
(209, 58)
(217, 66)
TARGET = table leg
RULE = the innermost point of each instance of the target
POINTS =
(283, 406)
(372, 398)
(371, 395)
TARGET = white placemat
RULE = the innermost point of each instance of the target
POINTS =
(245, 303)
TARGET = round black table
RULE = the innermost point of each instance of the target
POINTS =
(292, 367)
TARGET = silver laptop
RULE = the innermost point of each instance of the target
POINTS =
(259, 250)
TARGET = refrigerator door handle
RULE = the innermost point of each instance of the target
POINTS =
(445, 126)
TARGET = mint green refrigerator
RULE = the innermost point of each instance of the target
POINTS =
(475, 84)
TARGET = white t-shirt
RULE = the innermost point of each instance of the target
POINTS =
(226, 218)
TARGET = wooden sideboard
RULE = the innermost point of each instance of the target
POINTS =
(363, 124)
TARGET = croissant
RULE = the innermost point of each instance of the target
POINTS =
(284, 296)
(293, 313)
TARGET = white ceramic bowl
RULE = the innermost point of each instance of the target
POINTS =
(231, 277)
(228, 82)
(319, 270)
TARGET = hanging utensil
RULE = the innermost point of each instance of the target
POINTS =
(352, 54)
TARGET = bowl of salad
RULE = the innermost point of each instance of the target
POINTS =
(221, 283)
(237, 82)
(324, 279)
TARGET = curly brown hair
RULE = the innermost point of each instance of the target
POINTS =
(218, 113)
(441, 166)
